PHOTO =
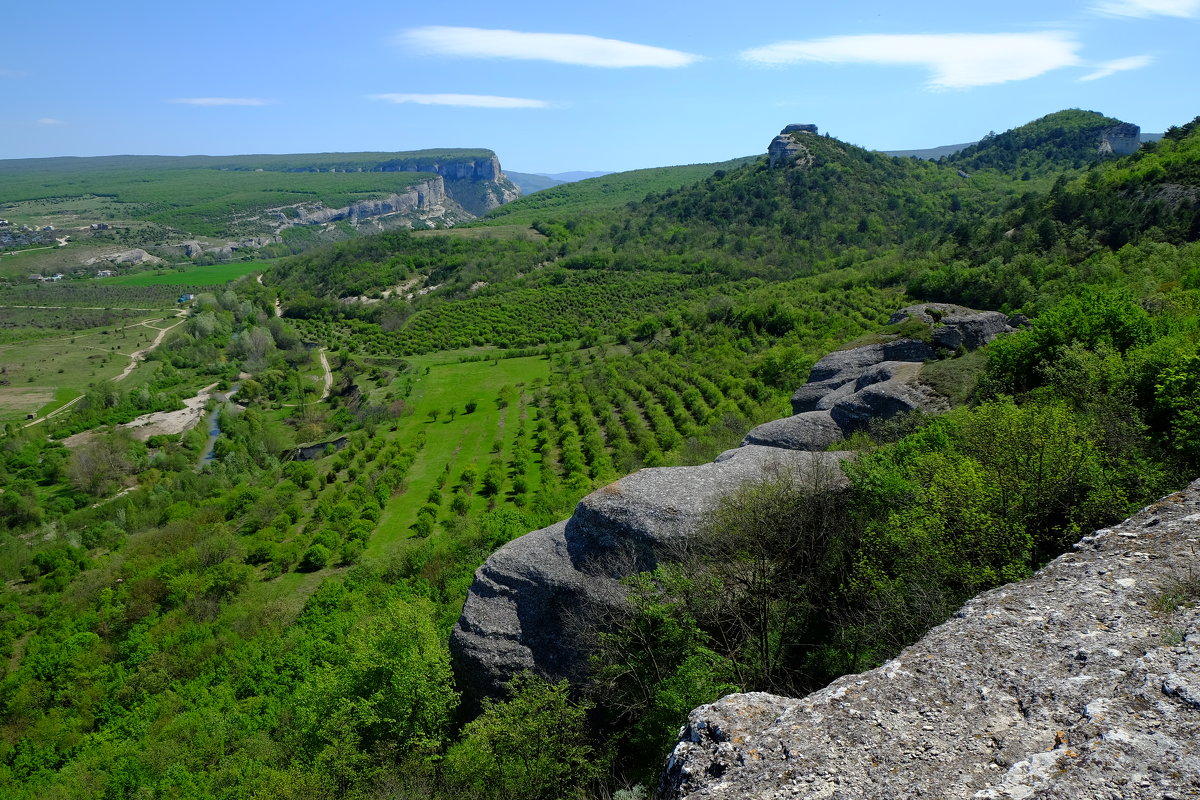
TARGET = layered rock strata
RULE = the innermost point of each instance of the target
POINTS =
(1080, 682)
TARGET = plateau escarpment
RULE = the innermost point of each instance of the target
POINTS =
(427, 201)
(532, 598)
(1082, 681)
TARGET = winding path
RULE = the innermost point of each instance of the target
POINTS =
(328, 376)
(134, 359)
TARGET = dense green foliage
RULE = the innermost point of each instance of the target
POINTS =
(261, 625)
(1064, 138)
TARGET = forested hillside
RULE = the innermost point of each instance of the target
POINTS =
(265, 614)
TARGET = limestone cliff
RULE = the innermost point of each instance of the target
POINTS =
(1080, 682)
(476, 184)
(427, 201)
(1120, 140)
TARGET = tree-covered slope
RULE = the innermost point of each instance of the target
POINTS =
(1070, 138)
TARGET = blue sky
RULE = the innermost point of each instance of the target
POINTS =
(557, 86)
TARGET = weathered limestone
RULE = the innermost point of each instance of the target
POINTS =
(531, 594)
(811, 430)
(1067, 685)
(956, 326)
(843, 367)
(523, 605)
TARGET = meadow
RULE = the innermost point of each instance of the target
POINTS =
(44, 373)
(191, 277)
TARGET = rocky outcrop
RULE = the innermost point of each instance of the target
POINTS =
(842, 369)
(532, 593)
(1120, 140)
(786, 149)
(526, 603)
(1080, 682)
(848, 389)
(957, 326)
(476, 184)
(811, 430)
(426, 200)
(125, 258)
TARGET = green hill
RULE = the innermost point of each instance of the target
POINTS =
(1071, 138)
(605, 192)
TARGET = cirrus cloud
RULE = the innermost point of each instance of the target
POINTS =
(1119, 65)
(957, 60)
(1148, 8)
(562, 48)
(464, 100)
(220, 101)
(50, 121)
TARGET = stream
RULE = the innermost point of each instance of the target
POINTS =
(214, 426)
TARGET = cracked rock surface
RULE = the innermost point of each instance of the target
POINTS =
(1075, 683)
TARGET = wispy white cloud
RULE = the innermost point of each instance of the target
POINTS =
(50, 121)
(13, 73)
(467, 100)
(563, 48)
(957, 60)
(1118, 65)
(1148, 8)
(220, 101)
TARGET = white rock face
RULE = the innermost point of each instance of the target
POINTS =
(1072, 684)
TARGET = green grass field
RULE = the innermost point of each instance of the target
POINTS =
(504, 232)
(213, 275)
(458, 441)
(44, 374)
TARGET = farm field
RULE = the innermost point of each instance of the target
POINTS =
(213, 275)
(486, 232)
(455, 439)
(44, 373)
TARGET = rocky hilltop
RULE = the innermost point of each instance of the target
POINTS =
(1080, 682)
(531, 596)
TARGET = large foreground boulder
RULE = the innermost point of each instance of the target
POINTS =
(524, 608)
(1081, 682)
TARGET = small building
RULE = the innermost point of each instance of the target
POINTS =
(36, 277)
(99, 226)
(58, 276)
(106, 273)
(186, 298)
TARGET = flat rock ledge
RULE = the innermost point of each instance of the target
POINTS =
(1074, 683)
(526, 606)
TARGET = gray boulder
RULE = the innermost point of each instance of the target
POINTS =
(841, 367)
(1075, 683)
(812, 430)
(884, 399)
(957, 326)
(531, 599)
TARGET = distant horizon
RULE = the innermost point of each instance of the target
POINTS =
(542, 172)
(554, 87)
